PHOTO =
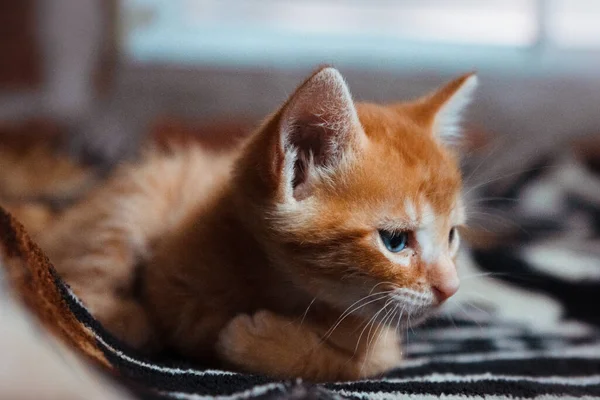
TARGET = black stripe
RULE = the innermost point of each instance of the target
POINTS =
(524, 389)
(580, 299)
(186, 382)
(212, 385)
(89, 321)
(512, 192)
(578, 204)
(540, 366)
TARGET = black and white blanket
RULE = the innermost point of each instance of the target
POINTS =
(470, 356)
(464, 358)
(526, 324)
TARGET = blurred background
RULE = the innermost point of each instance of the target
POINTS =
(94, 79)
(109, 71)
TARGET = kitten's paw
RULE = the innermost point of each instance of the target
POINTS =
(273, 345)
(245, 339)
(245, 328)
(235, 340)
(264, 324)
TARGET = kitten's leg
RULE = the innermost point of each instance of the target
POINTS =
(102, 280)
(97, 258)
(277, 346)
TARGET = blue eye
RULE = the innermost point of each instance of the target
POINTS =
(394, 241)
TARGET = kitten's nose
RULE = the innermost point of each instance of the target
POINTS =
(444, 279)
(444, 292)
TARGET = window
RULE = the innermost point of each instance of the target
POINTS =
(388, 32)
(574, 23)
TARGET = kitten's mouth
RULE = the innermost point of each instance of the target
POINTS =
(414, 306)
(413, 297)
(399, 308)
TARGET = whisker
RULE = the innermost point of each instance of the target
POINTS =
(475, 202)
(399, 320)
(506, 176)
(469, 316)
(411, 328)
(407, 324)
(372, 326)
(349, 311)
(383, 283)
(306, 312)
(499, 219)
(346, 313)
(369, 323)
(481, 275)
(477, 308)
(490, 152)
(448, 315)
(390, 322)
(517, 277)
(379, 328)
(364, 298)
(384, 326)
(378, 331)
(491, 214)
(472, 294)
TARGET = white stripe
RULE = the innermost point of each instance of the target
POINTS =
(468, 333)
(423, 347)
(587, 351)
(166, 370)
(551, 258)
(511, 344)
(255, 391)
(438, 378)
(565, 329)
(584, 351)
(401, 395)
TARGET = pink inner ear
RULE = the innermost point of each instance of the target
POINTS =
(312, 139)
(317, 123)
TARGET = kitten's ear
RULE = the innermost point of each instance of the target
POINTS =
(317, 129)
(444, 107)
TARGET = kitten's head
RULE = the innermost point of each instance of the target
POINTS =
(360, 201)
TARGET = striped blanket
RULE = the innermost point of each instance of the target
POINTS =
(527, 328)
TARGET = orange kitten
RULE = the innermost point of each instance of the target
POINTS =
(301, 254)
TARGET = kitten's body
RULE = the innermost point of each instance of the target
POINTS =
(251, 259)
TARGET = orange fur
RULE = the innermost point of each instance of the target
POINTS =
(269, 258)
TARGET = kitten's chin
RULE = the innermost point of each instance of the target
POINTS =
(421, 314)
(400, 307)
(401, 318)
(409, 307)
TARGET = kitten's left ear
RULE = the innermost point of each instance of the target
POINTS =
(444, 107)
(319, 127)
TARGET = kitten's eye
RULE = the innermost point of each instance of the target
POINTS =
(394, 241)
(452, 235)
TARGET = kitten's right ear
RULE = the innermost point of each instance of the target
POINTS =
(318, 127)
(443, 108)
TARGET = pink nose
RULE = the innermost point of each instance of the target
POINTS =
(443, 279)
(445, 291)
